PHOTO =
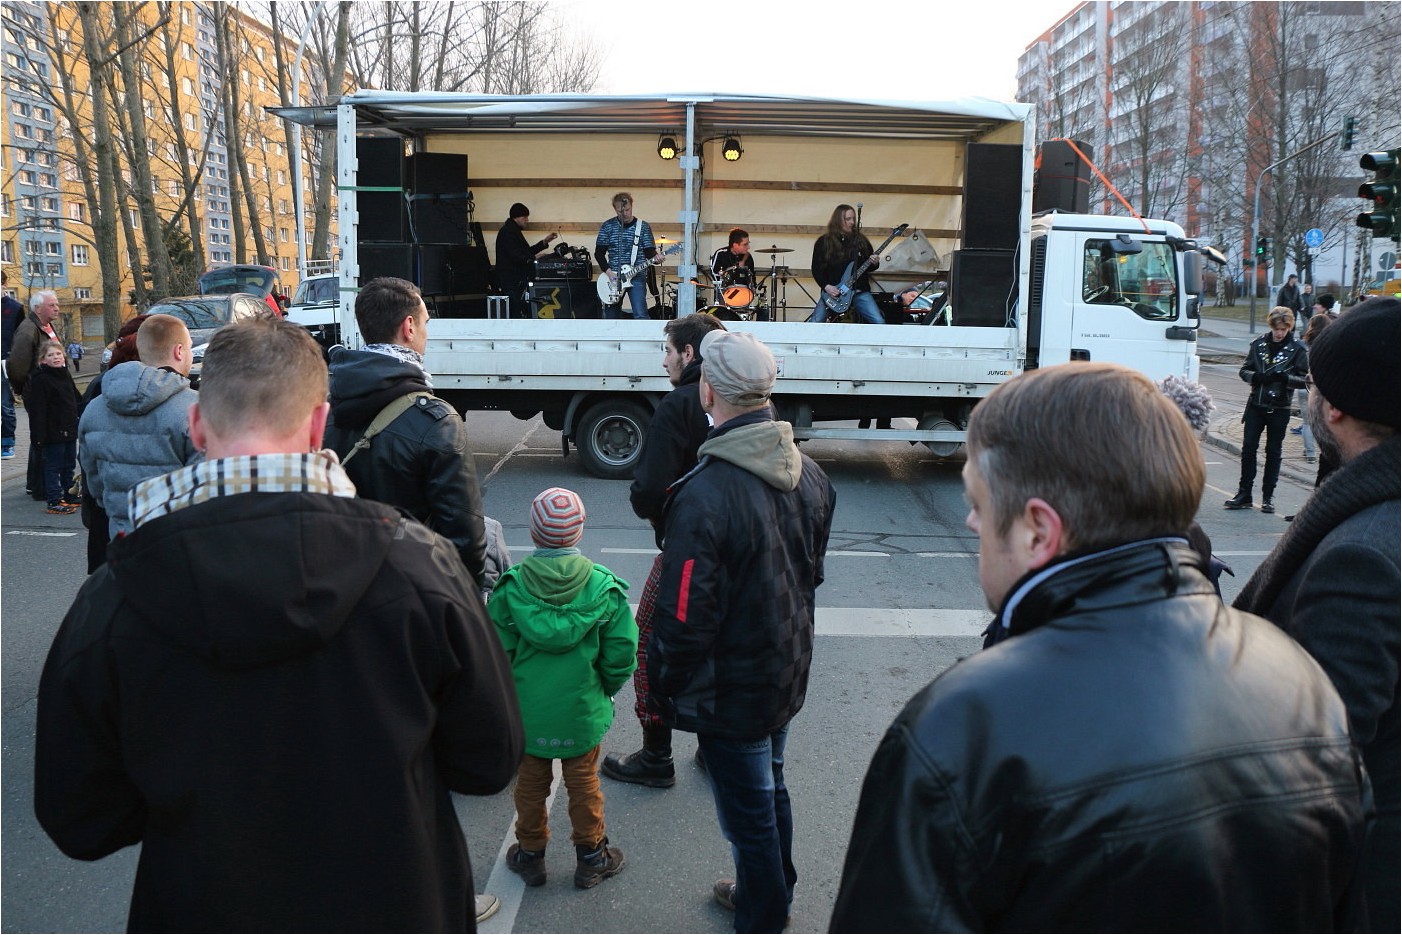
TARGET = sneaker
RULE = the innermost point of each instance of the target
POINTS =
(529, 865)
(59, 508)
(1267, 506)
(643, 767)
(486, 906)
(1297, 430)
(593, 867)
(724, 892)
(7, 453)
(71, 500)
(1310, 459)
(1241, 501)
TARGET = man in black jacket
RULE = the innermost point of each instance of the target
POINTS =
(732, 638)
(1126, 754)
(273, 685)
(676, 431)
(1332, 581)
(515, 256)
(421, 461)
(1275, 366)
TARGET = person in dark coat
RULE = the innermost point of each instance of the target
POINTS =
(1332, 581)
(273, 686)
(421, 462)
(1275, 366)
(11, 314)
(51, 399)
(732, 640)
(1127, 754)
(1289, 295)
(676, 431)
(515, 256)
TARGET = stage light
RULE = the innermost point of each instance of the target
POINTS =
(667, 147)
(731, 149)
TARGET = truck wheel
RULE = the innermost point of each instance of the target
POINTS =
(610, 438)
(936, 422)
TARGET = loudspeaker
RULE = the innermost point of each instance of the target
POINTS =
(384, 216)
(386, 259)
(981, 287)
(437, 184)
(449, 269)
(1062, 182)
(564, 298)
(992, 195)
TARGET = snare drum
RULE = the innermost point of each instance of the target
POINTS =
(725, 313)
(737, 287)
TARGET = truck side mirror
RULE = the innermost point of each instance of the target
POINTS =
(1192, 272)
(1123, 244)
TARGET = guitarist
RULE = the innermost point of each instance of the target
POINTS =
(625, 241)
(843, 246)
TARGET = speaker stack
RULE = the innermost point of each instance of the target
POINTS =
(1062, 182)
(983, 272)
(416, 227)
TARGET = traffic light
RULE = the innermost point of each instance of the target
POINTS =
(1263, 251)
(1347, 133)
(1382, 217)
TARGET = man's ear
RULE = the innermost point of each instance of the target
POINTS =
(316, 428)
(688, 354)
(407, 328)
(199, 434)
(705, 395)
(1041, 533)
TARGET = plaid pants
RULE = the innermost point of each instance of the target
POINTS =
(646, 607)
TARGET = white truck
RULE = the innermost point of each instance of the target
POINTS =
(1073, 286)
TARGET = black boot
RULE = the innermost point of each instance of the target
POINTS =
(1242, 501)
(650, 766)
(1266, 505)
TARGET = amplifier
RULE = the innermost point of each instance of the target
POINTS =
(553, 267)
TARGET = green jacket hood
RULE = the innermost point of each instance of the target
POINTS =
(555, 600)
(765, 449)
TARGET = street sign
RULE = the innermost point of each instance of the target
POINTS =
(1314, 237)
(1387, 260)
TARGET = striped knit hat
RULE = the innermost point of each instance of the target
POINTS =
(557, 518)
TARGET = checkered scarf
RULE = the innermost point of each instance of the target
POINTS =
(285, 472)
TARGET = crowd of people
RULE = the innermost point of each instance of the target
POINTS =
(1125, 752)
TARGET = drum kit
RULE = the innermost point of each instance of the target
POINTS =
(738, 294)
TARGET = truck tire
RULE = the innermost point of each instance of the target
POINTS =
(610, 438)
(936, 421)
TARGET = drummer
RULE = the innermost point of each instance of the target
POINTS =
(736, 253)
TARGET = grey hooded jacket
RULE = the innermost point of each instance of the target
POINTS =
(137, 428)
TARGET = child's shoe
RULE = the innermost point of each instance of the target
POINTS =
(59, 508)
(594, 865)
(529, 865)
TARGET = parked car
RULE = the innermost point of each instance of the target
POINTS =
(203, 315)
(314, 307)
(251, 278)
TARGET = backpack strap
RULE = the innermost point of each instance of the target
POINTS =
(393, 411)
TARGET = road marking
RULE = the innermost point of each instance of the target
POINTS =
(1215, 552)
(515, 449)
(35, 532)
(505, 885)
(613, 551)
(893, 621)
(947, 554)
(854, 553)
(838, 553)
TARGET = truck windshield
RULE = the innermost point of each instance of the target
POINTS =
(1145, 282)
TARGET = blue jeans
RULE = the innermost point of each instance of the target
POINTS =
(637, 300)
(7, 404)
(59, 461)
(863, 306)
(752, 805)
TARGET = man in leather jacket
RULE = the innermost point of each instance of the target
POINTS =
(1126, 754)
(421, 462)
(1275, 366)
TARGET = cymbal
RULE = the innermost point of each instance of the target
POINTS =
(774, 249)
(663, 240)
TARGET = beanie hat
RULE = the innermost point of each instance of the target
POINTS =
(1354, 362)
(519, 210)
(738, 367)
(557, 518)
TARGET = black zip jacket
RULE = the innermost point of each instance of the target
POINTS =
(51, 398)
(1133, 757)
(676, 431)
(1274, 371)
(420, 463)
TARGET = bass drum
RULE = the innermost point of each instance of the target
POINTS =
(737, 287)
(725, 313)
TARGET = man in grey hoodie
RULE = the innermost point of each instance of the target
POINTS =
(732, 639)
(139, 427)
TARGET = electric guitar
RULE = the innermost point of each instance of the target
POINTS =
(611, 290)
(837, 304)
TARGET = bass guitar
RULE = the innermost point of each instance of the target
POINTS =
(837, 304)
(611, 290)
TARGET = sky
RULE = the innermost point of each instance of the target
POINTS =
(896, 50)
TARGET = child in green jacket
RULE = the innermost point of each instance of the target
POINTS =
(567, 629)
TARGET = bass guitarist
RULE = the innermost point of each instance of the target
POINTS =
(843, 246)
(625, 241)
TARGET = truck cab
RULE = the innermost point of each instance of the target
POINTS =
(1114, 288)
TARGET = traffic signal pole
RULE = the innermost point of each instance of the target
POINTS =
(1256, 213)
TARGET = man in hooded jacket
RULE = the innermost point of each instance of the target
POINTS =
(273, 685)
(732, 638)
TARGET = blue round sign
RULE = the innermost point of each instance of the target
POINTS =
(1314, 237)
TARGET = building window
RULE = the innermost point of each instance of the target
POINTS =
(80, 254)
(75, 211)
(53, 249)
(82, 294)
(51, 204)
(7, 251)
